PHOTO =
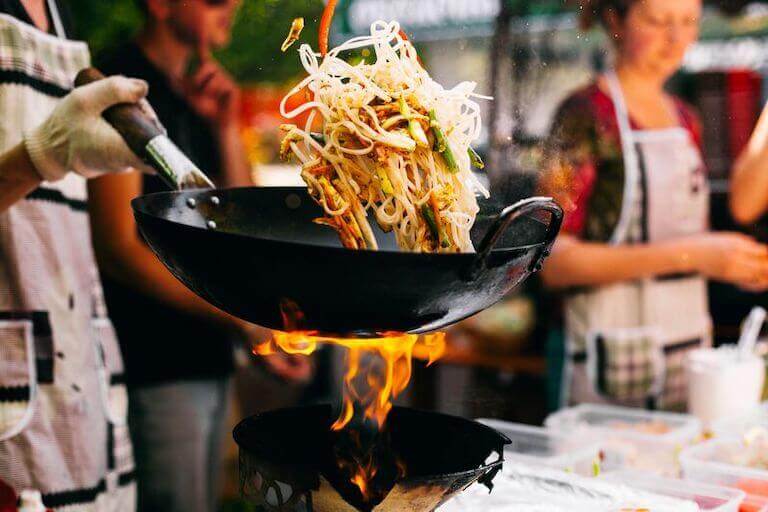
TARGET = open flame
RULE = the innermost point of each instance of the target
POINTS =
(377, 371)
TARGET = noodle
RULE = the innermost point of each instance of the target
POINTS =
(394, 144)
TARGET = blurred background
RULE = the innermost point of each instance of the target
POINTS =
(529, 55)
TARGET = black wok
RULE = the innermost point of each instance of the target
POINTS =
(265, 260)
(255, 252)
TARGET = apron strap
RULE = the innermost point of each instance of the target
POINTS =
(630, 157)
(56, 19)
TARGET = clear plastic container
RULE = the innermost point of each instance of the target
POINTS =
(538, 445)
(725, 462)
(734, 427)
(630, 438)
(709, 498)
(532, 488)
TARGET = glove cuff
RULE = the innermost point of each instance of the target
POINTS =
(38, 143)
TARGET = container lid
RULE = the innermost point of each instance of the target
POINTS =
(537, 444)
(522, 487)
(626, 422)
(709, 498)
(727, 461)
(730, 427)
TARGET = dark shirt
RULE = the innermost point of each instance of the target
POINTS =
(17, 10)
(159, 343)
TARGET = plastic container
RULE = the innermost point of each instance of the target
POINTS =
(739, 426)
(536, 445)
(723, 462)
(530, 488)
(630, 438)
(709, 498)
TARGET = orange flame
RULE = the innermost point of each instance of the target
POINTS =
(377, 371)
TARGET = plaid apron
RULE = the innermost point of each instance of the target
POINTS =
(627, 342)
(63, 404)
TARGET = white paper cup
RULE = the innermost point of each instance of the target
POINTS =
(721, 384)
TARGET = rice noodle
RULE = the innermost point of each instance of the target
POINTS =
(379, 151)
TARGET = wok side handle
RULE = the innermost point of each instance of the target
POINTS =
(512, 213)
(147, 139)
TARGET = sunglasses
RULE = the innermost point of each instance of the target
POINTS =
(216, 3)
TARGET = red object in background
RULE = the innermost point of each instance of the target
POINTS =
(757, 495)
(263, 103)
(8, 498)
(743, 101)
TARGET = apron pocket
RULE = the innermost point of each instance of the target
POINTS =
(114, 397)
(626, 364)
(18, 377)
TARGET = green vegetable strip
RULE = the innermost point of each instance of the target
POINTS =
(414, 127)
(434, 228)
(441, 144)
(429, 216)
(475, 159)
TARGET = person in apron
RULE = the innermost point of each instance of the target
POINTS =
(636, 251)
(63, 405)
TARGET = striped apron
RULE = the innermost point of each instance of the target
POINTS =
(63, 401)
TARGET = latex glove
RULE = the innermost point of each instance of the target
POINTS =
(76, 138)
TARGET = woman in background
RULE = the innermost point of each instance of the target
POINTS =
(636, 250)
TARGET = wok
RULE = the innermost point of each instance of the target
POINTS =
(256, 254)
(289, 461)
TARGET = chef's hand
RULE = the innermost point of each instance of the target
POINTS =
(292, 368)
(730, 257)
(212, 93)
(76, 138)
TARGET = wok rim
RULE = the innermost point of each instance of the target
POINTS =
(138, 202)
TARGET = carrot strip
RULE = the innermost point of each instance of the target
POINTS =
(325, 25)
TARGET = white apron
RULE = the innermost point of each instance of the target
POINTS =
(626, 342)
(62, 399)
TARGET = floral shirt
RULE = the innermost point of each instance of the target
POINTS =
(585, 167)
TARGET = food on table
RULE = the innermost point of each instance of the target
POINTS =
(653, 427)
(757, 495)
(383, 139)
(522, 488)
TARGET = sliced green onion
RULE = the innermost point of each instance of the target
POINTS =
(414, 127)
(475, 158)
(441, 143)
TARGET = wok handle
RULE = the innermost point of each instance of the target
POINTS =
(137, 128)
(509, 215)
(147, 139)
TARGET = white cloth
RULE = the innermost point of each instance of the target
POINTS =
(633, 336)
(62, 401)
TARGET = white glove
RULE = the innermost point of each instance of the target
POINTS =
(76, 138)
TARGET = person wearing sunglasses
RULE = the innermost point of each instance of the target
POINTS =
(179, 370)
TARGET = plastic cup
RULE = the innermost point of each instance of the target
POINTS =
(721, 383)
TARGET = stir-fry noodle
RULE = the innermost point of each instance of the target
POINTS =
(394, 144)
